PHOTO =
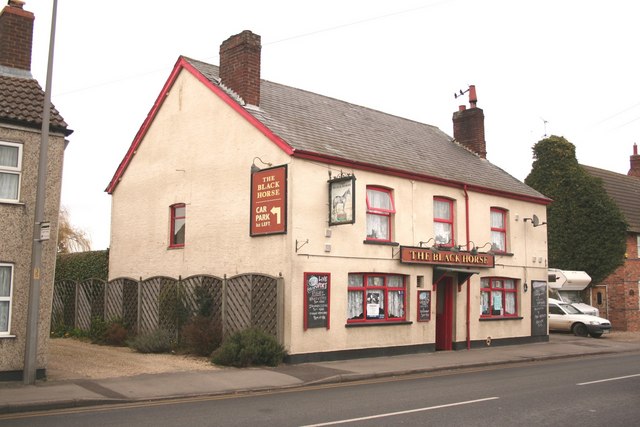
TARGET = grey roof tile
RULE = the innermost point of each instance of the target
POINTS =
(624, 190)
(329, 127)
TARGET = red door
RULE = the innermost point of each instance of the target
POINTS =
(444, 314)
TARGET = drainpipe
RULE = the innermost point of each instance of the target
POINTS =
(466, 207)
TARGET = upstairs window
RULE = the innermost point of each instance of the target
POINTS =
(498, 297)
(638, 246)
(443, 221)
(498, 230)
(178, 223)
(380, 209)
(6, 280)
(10, 171)
(376, 297)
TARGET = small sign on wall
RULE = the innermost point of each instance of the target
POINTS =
(424, 306)
(317, 288)
(342, 200)
(269, 201)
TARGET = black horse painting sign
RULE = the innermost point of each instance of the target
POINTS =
(341, 200)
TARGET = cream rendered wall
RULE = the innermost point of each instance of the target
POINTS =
(412, 224)
(197, 151)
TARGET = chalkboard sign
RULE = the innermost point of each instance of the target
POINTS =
(538, 308)
(424, 306)
(316, 300)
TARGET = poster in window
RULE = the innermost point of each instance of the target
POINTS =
(374, 306)
(424, 306)
(316, 300)
(342, 200)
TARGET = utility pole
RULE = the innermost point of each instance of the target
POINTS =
(40, 229)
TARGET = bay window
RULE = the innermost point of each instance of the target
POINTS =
(498, 297)
(380, 209)
(376, 298)
(6, 281)
(10, 171)
(443, 221)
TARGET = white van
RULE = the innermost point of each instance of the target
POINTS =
(565, 317)
(566, 286)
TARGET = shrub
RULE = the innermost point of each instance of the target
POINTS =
(97, 329)
(201, 335)
(249, 347)
(158, 341)
(116, 333)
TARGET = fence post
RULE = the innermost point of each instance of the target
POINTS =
(280, 308)
(223, 317)
(104, 300)
(75, 304)
(139, 307)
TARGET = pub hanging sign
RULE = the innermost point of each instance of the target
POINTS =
(269, 201)
(414, 255)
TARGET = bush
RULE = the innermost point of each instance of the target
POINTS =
(201, 336)
(82, 265)
(249, 347)
(116, 333)
(159, 341)
(97, 329)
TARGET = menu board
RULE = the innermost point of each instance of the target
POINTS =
(316, 300)
(424, 306)
(538, 308)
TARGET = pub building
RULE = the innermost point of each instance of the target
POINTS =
(389, 236)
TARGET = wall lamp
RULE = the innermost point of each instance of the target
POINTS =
(255, 168)
(534, 220)
(476, 249)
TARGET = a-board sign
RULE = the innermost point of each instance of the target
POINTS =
(317, 288)
(538, 308)
(269, 201)
(424, 306)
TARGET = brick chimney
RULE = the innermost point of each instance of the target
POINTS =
(16, 36)
(634, 160)
(240, 65)
(468, 126)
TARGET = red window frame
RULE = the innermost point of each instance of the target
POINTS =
(502, 231)
(381, 212)
(173, 243)
(449, 221)
(385, 289)
(504, 291)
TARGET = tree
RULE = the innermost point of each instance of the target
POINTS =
(585, 229)
(70, 238)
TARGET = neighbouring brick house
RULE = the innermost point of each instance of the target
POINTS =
(618, 296)
(21, 105)
(390, 236)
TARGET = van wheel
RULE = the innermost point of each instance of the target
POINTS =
(580, 330)
(595, 334)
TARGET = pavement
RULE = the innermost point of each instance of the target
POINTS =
(66, 393)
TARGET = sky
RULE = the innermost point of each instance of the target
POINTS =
(543, 67)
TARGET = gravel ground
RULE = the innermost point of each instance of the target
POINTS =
(74, 359)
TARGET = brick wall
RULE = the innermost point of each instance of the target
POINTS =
(16, 36)
(623, 291)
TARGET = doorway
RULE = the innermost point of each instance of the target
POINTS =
(444, 314)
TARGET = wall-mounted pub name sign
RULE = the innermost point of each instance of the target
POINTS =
(413, 255)
(269, 201)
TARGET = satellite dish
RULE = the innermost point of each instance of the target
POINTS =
(535, 220)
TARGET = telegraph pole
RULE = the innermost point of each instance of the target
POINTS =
(41, 228)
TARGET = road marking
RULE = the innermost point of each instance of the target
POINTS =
(609, 379)
(392, 414)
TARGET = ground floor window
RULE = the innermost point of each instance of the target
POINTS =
(376, 298)
(6, 279)
(498, 297)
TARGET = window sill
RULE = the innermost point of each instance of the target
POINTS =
(502, 253)
(175, 247)
(491, 319)
(9, 202)
(6, 336)
(388, 323)
(380, 242)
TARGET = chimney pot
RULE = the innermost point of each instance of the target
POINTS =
(634, 161)
(468, 126)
